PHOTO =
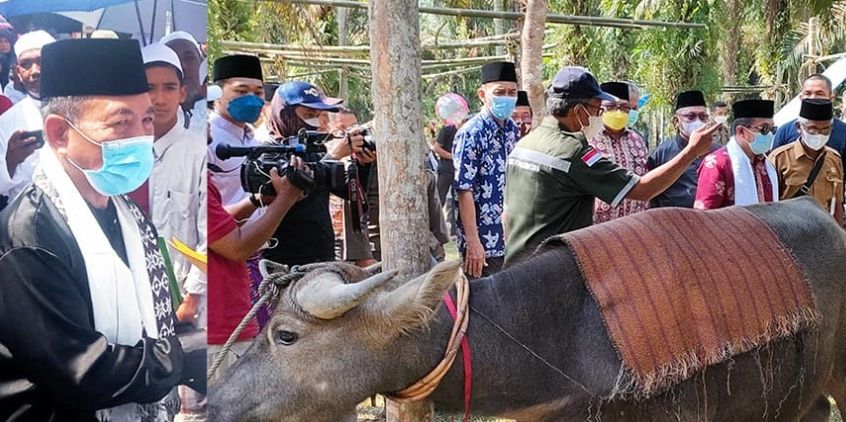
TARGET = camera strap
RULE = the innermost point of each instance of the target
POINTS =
(354, 191)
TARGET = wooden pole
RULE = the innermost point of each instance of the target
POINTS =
(557, 19)
(398, 124)
(531, 57)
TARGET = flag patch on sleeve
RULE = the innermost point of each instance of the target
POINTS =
(591, 157)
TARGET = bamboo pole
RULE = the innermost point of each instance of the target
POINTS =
(554, 19)
(359, 49)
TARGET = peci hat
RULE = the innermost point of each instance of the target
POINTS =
(237, 66)
(79, 67)
(690, 99)
(617, 89)
(499, 72)
(816, 109)
(523, 99)
(762, 109)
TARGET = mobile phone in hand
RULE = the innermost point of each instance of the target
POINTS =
(37, 134)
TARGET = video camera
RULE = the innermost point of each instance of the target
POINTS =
(255, 171)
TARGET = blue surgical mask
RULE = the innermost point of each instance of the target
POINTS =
(502, 106)
(633, 115)
(127, 163)
(762, 143)
(246, 108)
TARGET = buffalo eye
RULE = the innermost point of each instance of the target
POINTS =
(286, 338)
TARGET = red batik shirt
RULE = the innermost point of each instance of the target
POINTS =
(716, 181)
(627, 151)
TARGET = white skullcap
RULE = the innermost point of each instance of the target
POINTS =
(181, 35)
(104, 34)
(31, 41)
(160, 53)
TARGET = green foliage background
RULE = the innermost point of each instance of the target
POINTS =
(770, 35)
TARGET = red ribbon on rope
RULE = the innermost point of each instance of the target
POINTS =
(465, 353)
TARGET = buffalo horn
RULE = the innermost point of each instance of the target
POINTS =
(328, 297)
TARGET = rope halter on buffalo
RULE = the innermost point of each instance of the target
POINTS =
(273, 283)
(426, 385)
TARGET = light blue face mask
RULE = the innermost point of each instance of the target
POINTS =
(633, 115)
(502, 106)
(127, 163)
(762, 143)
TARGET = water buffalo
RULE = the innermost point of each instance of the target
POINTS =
(334, 341)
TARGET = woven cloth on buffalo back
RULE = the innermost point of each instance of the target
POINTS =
(680, 290)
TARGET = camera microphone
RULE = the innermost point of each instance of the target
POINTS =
(225, 152)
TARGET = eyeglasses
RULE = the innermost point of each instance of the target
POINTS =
(816, 131)
(764, 129)
(689, 117)
(600, 108)
(614, 107)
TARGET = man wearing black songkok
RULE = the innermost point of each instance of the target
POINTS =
(522, 114)
(690, 113)
(808, 166)
(479, 153)
(86, 322)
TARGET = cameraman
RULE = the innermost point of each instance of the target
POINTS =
(305, 234)
(230, 246)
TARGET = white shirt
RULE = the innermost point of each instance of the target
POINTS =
(25, 115)
(178, 201)
(13, 93)
(198, 124)
(226, 175)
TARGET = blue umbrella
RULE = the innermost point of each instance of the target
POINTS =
(10, 8)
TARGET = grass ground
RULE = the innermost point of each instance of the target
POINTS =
(366, 412)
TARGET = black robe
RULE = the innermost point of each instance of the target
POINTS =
(53, 364)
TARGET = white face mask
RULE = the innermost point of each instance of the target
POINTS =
(594, 125)
(814, 142)
(689, 127)
(721, 119)
(314, 122)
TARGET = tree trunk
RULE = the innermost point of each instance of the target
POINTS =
(343, 86)
(398, 125)
(531, 43)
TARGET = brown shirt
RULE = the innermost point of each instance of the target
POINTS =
(793, 167)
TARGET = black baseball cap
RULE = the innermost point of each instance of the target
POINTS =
(577, 82)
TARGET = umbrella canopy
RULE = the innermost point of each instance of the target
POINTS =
(51, 22)
(181, 15)
(9, 8)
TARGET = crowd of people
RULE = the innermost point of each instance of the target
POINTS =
(101, 316)
(498, 186)
(104, 170)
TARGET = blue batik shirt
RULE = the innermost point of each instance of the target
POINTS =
(480, 154)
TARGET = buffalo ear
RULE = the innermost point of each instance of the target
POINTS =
(268, 267)
(413, 303)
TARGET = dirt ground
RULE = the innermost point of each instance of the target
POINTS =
(368, 413)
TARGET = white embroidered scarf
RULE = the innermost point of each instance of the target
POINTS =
(122, 296)
(745, 186)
